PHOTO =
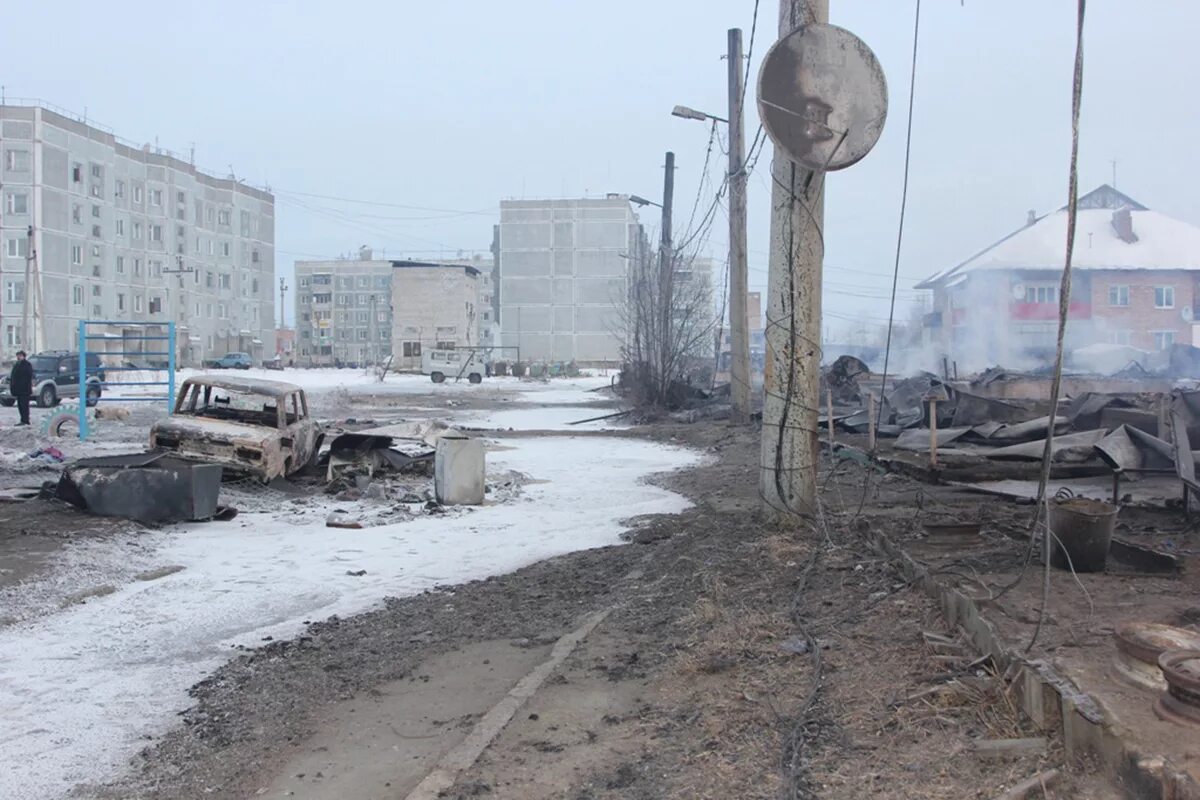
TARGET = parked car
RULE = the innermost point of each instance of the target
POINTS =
(258, 427)
(232, 361)
(440, 364)
(56, 377)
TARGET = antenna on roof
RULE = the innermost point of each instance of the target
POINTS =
(1114, 166)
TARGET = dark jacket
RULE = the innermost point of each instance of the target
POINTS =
(20, 380)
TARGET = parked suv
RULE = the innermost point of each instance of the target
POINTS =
(56, 376)
(232, 361)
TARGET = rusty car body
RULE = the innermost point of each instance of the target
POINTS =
(258, 427)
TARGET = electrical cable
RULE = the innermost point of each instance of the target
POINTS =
(912, 91)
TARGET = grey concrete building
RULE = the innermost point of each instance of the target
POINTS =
(343, 310)
(435, 305)
(563, 267)
(127, 233)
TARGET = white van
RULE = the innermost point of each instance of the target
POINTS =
(440, 364)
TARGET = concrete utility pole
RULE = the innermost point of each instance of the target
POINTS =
(282, 292)
(26, 339)
(666, 266)
(790, 446)
(739, 330)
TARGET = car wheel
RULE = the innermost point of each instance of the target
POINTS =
(437, 377)
(47, 397)
(475, 377)
(93, 395)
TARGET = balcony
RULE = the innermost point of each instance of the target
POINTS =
(1048, 311)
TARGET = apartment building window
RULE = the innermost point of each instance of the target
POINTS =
(211, 249)
(444, 345)
(14, 291)
(96, 272)
(209, 282)
(156, 197)
(16, 160)
(225, 250)
(156, 233)
(305, 299)
(381, 282)
(97, 171)
(199, 211)
(208, 310)
(254, 286)
(362, 336)
(97, 310)
(411, 349)
(95, 211)
(96, 291)
(254, 256)
(1041, 294)
(119, 189)
(137, 304)
(96, 231)
(77, 173)
(12, 335)
(96, 250)
(197, 250)
(345, 283)
(1118, 296)
(210, 214)
(120, 227)
(343, 299)
(223, 217)
(226, 280)
(76, 213)
(120, 265)
(1163, 339)
(156, 267)
(137, 267)
(384, 336)
(137, 231)
(1164, 297)
(16, 247)
(223, 310)
(303, 282)
(181, 198)
(155, 305)
(382, 317)
(137, 194)
(17, 203)
(76, 254)
(362, 318)
(364, 282)
(120, 301)
(77, 295)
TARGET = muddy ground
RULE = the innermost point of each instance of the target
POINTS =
(736, 660)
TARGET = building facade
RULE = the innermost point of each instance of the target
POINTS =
(343, 311)
(110, 231)
(1135, 282)
(435, 305)
(563, 277)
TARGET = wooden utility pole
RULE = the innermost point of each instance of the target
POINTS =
(790, 449)
(666, 266)
(739, 331)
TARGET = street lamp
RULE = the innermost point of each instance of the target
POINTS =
(641, 201)
(691, 113)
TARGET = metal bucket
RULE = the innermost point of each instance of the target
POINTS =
(1082, 530)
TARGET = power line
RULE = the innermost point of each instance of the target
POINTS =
(912, 91)
(451, 211)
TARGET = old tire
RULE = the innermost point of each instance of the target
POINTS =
(437, 377)
(93, 395)
(475, 377)
(65, 417)
(47, 397)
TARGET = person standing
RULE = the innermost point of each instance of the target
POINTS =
(20, 385)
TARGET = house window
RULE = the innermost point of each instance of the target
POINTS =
(1118, 295)
(120, 265)
(77, 295)
(1163, 339)
(411, 349)
(137, 304)
(1164, 297)
(16, 160)
(14, 291)
(1041, 294)
(76, 254)
(17, 247)
(17, 203)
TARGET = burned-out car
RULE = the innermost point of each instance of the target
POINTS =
(258, 427)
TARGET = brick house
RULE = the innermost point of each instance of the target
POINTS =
(1135, 281)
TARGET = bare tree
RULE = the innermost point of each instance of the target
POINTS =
(668, 322)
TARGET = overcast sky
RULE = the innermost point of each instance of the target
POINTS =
(429, 113)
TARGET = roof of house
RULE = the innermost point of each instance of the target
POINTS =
(470, 269)
(1161, 242)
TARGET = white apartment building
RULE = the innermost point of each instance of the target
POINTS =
(563, 267)
(343, 310)
(111, 231)
(436, 305)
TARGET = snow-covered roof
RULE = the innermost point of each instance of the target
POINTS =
(1161, 242)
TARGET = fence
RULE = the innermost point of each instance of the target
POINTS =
(85, 367)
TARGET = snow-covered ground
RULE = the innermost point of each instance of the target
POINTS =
(82, 686)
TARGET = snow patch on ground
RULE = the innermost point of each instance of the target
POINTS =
(80, 689)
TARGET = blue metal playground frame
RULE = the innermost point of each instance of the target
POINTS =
(85, 337)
